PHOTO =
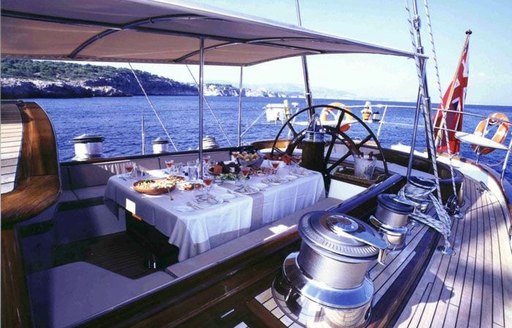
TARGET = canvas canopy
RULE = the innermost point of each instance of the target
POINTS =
(157, 31)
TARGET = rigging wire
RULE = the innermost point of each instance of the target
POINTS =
(254, 122)
(152, 107)
(443, 126)
(210, 109)
(414, 26)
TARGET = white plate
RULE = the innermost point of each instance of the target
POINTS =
(259, 185)
(290, 177)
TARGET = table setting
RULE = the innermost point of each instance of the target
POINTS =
(199, 214)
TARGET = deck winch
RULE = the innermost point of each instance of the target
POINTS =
(326, 283)
(88, 146)
(160, 145)
(392, 218)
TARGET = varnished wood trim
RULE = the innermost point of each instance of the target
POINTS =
(15, 305)
(37, 184)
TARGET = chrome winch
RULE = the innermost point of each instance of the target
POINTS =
(326, 283)
(392, 218)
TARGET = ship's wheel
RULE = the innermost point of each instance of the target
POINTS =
(337, 130)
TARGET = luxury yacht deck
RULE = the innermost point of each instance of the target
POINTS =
(472, 288)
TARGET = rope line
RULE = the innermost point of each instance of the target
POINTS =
(210, 109)
(414, 26)
(443, 126)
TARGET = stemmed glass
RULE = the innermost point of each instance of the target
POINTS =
(208, 182)
(129, 169)
(245, 173)
(275, 166)
(169, 163)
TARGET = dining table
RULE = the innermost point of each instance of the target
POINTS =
(198, 220)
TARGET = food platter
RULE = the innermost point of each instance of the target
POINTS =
(156, 186)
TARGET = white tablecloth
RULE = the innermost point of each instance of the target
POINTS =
(197, 230)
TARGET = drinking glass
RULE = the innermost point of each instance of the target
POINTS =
(129, 169)
(192, 170)
(245, 173)
(179, 168)
(208, 182)
(275, 166)
(169, 164)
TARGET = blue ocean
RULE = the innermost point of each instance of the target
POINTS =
(119, 121)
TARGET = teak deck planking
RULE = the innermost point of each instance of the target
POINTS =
(472, 287)
(11, 135)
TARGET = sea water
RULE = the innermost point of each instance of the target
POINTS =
(120, 121)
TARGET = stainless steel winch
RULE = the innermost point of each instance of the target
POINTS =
(326, 284)
(88, 146)
(391, 218)
(418, 189)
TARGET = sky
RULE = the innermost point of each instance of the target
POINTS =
(382, 22)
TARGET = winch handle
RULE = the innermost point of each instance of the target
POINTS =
(370, 239)
(367, 238)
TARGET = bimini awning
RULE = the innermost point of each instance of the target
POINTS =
(157, 31)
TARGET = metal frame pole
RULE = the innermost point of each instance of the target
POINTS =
(240, 106)
(201, 105)
(307, 89)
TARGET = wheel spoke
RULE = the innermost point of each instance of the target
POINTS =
(292, 129)
(364, 140)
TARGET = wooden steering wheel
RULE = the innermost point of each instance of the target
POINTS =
(335, 131)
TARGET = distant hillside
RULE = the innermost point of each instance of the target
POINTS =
(45, 79)
(23, 78)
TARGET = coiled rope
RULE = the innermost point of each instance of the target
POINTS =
(410, 194)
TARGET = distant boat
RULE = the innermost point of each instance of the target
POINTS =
(280, 112)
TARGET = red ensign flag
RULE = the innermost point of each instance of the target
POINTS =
(453, 105)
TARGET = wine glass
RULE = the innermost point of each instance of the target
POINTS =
(169, 163)
(245, 173)
(275, 166)
(129, 169)
(208, 182)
